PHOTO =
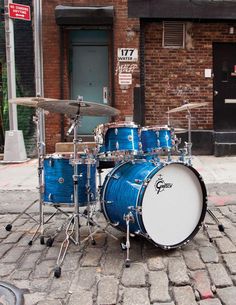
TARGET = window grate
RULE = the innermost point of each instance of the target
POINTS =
(173, 34)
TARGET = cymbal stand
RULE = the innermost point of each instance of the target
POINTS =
(189, 143)
(38, 119)
(189, 153)
(73, 227)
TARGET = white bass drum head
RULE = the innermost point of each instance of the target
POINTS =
(174, 203)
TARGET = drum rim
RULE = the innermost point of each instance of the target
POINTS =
(204, 205)
(120, 124)
(156, 128)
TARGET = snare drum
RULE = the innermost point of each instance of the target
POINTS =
(58, 180)
(168, 201)
(119, 137)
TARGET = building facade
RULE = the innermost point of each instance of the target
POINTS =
(144, 58)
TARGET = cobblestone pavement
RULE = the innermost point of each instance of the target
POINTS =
(200, 273)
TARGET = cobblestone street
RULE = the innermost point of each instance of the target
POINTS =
(200, 273)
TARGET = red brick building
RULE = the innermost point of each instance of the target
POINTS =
(175, 51)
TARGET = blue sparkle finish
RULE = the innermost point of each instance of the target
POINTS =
(149, 140)
(59, 185)
(164, 137)
(121, 139)
(124, 187)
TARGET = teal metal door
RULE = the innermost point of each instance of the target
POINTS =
(90, 78)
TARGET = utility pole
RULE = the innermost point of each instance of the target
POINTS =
(14, 148)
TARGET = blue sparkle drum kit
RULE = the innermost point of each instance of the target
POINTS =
(152, 189)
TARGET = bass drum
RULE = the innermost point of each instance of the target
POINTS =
(168, 201)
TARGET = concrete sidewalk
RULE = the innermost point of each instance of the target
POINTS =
(199, 273)
(24, 176)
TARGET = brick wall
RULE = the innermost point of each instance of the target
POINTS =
(125, 33)
(175, 75)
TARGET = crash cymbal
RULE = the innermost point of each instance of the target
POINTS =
(179, 130)
(72, 108)
(187, 107)
(29, 101)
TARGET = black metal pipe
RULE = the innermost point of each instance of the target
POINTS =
(62, 125)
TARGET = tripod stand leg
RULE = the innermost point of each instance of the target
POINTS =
(9, 226)
(64, 247)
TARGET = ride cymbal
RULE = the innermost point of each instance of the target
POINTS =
(72, 108)
(187, 107)
(29, 101)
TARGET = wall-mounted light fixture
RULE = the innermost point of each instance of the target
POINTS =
(231, 30)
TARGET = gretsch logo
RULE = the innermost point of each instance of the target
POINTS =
(161, 185)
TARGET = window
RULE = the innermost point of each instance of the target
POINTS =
(173, 34)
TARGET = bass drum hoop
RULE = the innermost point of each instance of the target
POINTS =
(203, 213)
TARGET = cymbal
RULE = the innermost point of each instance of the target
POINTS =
(72, 108)
(179, 130)
(29, 101)
(187, 107)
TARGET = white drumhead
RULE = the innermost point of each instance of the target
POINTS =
(172, 204)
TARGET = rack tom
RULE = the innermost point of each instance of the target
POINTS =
(118, 137)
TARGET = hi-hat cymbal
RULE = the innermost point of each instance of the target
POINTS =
(187, 107)
(72, 108)
(29, 101)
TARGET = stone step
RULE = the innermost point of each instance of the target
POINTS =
(224, 149)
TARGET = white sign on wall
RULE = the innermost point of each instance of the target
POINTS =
(125, 78)
(127, 54)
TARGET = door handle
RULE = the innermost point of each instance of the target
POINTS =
(105, 95)
(215, 92)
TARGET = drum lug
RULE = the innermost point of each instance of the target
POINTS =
(146, 181)
(108, 202)
(129, 217)
(51, 162)
(137, 181)
(115, 176)
(137, 209)
(50, 196)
